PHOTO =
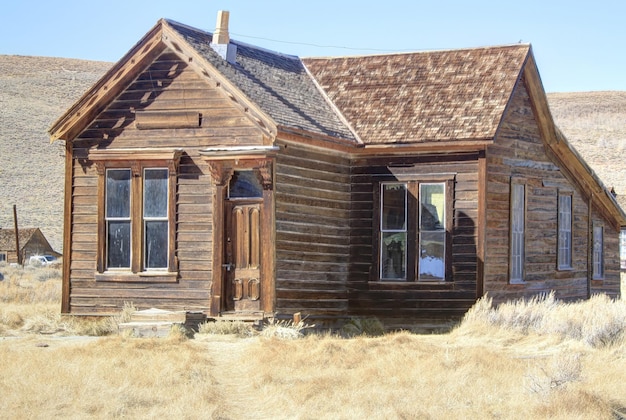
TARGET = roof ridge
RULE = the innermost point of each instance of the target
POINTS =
(436, 50)
(234, 41)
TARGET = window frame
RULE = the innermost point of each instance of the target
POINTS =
(565, 227)
(515, 233)
(597, 255)
(412, 221)
(150, 219)
(137, 163)
(382, 231)
(108, 219)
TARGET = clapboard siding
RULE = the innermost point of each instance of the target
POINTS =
(519, 153)
(611, 283)
(312, 191)
(414, 299)
(167, 85)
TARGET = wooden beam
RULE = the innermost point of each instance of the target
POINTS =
(539, 101)
(67, 228)
(146, 120)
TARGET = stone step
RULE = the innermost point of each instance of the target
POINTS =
(156, 322)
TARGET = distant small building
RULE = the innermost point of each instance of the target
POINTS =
(32, 242)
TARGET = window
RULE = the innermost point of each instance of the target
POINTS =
(245, 184)
(155, 218)
(118, 222)
(598, 252)
(153, 212)
(136, 215)
(393, 232)
(518, 210)
(622, 249)
(565, 232)
(414, 225)
(3, 257)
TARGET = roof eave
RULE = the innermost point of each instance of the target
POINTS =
(76, 118)
(161, 36)
(571, 162)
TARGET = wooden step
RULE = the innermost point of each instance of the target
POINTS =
(156, 322)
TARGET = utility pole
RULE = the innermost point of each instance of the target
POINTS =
(17, 236)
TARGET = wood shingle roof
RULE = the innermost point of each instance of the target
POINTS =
(278, 83)
(425, 96)
(7, 238)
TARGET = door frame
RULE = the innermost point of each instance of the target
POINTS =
(222, 171)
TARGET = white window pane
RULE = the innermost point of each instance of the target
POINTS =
(156, 244)
(517, 232)
(393, 215)
(118, 244)
(118, 193)
(565, 231)
(393, 256)
(598, 252)
(155, 193)
(245, 184)
(432, 207)
(432, 256)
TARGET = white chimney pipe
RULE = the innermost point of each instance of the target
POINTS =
(221, 28)
(221, 39)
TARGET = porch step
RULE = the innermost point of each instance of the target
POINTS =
(155, 322)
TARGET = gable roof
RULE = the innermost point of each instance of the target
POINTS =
(278, 83)
(265, 84)
(421, 98)
(424, 96)
(7, 238)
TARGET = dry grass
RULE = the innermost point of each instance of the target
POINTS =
(598, 322)
(528, 359)
(108, 378)
(31, 297)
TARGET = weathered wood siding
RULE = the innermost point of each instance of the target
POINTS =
(167, 85)
(519, 153)
(312, 231)
(610, 284)
(413, 300)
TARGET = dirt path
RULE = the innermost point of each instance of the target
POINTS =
(230, 354)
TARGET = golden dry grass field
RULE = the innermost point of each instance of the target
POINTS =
(541, 359)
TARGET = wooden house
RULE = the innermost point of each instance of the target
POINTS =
(31, 242)
(206, 174)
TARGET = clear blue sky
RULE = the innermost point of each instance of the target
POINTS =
(579, 45)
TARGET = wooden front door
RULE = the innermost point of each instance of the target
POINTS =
(243, 255)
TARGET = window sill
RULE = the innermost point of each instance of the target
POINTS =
(518, 282)
(143, 277)
(414, 285)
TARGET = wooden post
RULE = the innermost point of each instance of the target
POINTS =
(17, 236)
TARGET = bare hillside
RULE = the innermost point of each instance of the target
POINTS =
(35, 91)
(595, 123)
